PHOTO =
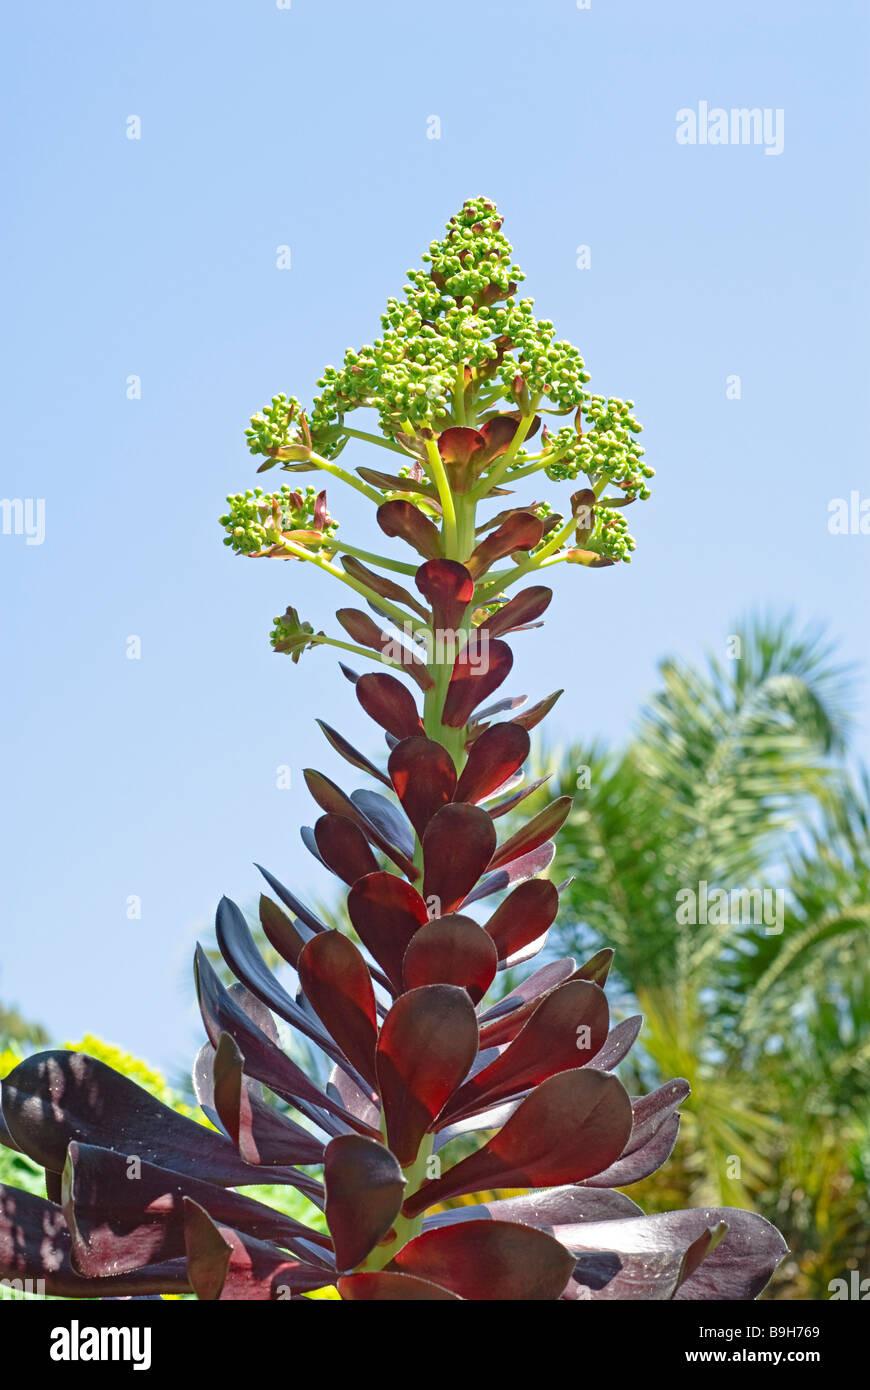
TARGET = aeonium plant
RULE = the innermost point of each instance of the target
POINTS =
(441, 1086)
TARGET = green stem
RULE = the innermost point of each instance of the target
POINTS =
(439, 477)
(381, 561)
(494, 477)
(398, 614)
(374, 439)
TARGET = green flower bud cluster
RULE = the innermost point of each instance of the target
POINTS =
(607, 448)
(291, 635)
(256, 519)
(549, 368)
(275, 426)
(611, 537)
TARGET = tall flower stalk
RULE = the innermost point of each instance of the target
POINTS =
(439, 1088)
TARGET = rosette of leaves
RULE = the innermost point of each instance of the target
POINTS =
(440, 1086)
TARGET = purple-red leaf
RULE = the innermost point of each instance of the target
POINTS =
(570, 1127)
(474, 679)
(525, 914)
(337, 982)
(492, 759)
(424, 777)
(259, 1131)
(457, 847)
(448, 589)
(534, 833)
(517, 871)
(490, 1260)
(522, 531)
(386, 912)
(567, 1027)
(522, 609)
(403, 519)
(451, 950)
(364, 1191)
(331, 798)
(389, 703)
(344, 848)
(531, 717)
(383, 1286)
(427, 1044)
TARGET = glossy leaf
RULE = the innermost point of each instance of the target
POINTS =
(336, 980)
(386, 912)
(457, 847)
(364, 1191)
(403, 519)
(571, 1126)
(344, 848)
(534, 833)
(424, 777)
(448, 589)
(492, 759)
(427, 1044)
(490, 1260)
(475, 678)
(389, 703)
(451, 950)
(522, 531)
(385, 1286)
(525, 914)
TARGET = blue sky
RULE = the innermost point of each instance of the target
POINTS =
(156, 257)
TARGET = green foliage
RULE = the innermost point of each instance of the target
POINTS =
(730, 779)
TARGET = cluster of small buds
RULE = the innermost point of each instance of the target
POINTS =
(545, 367)
(611, 536)
(274, 427)
(257, 519)
(606, 449)
(291, 635)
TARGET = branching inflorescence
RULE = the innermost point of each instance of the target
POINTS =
(439, 1088)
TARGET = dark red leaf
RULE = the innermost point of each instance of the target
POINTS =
(427, 1044)
(53, 1098)
(389, 703)
(387, 588)
(387, 817)
(523, 608)
(364, 1191)
(571, 1126)
(643, 1161)
(477, 672)
(256, 1271)
(490, 1260)
(525, 914)
(263, 1060)
(522, 531)
(259, 1131)
(383, 1286)
(331, 798)
(298, 908)
(463, 452)
(394, 482)
(534, 833)
(451, 950)
(620, 1040)
(448, 589)
(517, 871)
(567, 1027)
(386, 912)
(344, 848)
(123, 1213)
(424, 777)
(533, 716)
(337, 982)
(492, 759)
(457, 845)
(35, 1245)
(403, 519)
(351, 754)
(360, 627)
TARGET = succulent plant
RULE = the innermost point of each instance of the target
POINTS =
(441, 1085)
